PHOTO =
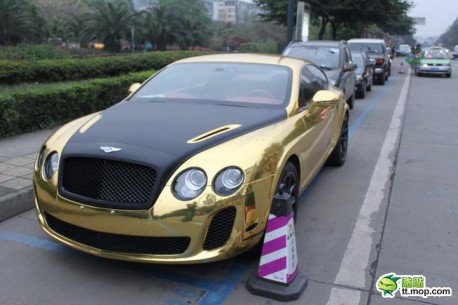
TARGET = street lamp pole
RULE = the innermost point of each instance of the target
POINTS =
(289, 31)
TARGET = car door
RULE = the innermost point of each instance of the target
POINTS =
(349, 75)
(317, 120)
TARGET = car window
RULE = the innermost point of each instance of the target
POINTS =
(371, 47)
(222, 83)
(359, 61)
(436, 54)
(312, 80)
(325, 57)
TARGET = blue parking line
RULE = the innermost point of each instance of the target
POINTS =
(216, 291)
(370, 105)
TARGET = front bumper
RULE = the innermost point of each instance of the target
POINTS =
(208, 229)
(435, 69)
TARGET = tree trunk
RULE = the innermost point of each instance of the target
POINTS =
(324, 22)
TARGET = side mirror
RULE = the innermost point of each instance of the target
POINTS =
(134, 87)
(326, 98)
(350, 67)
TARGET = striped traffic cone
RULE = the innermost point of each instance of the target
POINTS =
(278, 276)
(401, 68)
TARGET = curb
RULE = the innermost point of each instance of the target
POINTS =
(16, 203)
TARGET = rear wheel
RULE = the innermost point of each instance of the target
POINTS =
(369, 87)
(339, 154)
(382, 80)
(362, 93)
(448, 74)
(351, 101)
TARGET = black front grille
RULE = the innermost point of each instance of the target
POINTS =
(117, 242)
(108, 181)
(220, 229)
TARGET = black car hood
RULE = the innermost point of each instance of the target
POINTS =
(156, 133)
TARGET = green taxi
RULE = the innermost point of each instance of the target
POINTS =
(434, 60)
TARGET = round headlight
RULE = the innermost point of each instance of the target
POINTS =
(228, 181)
(51, 165)
(190, 184)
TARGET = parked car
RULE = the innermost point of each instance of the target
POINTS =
(184, 170)
(376, 49)
(434, 60)
(403, 50)
(334, 58)
(455, 52)
(364, 73)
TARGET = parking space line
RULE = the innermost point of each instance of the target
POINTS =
(355, 262)
(217, 291)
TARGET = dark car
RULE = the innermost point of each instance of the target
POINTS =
(376, 49)
(364, 73)
(455, 52)
(333, 57)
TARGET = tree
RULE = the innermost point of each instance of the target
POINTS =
(184, 22)
(110, 22)
(388, 14)
(19, 21)
(450, 37)
(159, 25)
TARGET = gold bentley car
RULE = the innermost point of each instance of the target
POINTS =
(184, 170)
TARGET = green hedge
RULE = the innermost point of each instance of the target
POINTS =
(47, 106)
(74, 69)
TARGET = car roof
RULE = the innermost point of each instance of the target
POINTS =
(247, 58)
(366, 40)
(330, 43)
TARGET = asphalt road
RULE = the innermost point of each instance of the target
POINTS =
(392, 208)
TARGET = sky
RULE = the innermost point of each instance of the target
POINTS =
(440, 15)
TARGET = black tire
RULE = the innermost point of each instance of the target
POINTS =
(369, 88)
(351, 101)
(448, 75)
(362, 93)
(339, 153)
(381, 80)
(290, 179)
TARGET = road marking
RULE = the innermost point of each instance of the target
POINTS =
(355, 262)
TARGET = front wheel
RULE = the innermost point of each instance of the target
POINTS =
(351, 101)
(289, 178)
(339, 153)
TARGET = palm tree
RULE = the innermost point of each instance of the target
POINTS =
(110, 22)
(18, 21)
(160, 25)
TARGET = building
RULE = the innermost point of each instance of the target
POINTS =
(234, 11)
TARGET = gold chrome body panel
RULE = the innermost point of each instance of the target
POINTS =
(307, 137)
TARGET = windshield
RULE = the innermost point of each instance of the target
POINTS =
(371, 47)
(436, 54)
(220, 83)
(325, 57)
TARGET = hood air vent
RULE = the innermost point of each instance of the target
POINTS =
(213, 133)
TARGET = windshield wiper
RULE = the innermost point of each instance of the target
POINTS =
(325, 67)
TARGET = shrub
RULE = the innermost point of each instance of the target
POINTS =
(75, 69)
(47, 106)
(32, 52)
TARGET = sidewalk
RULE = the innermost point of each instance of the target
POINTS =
(17, 159)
